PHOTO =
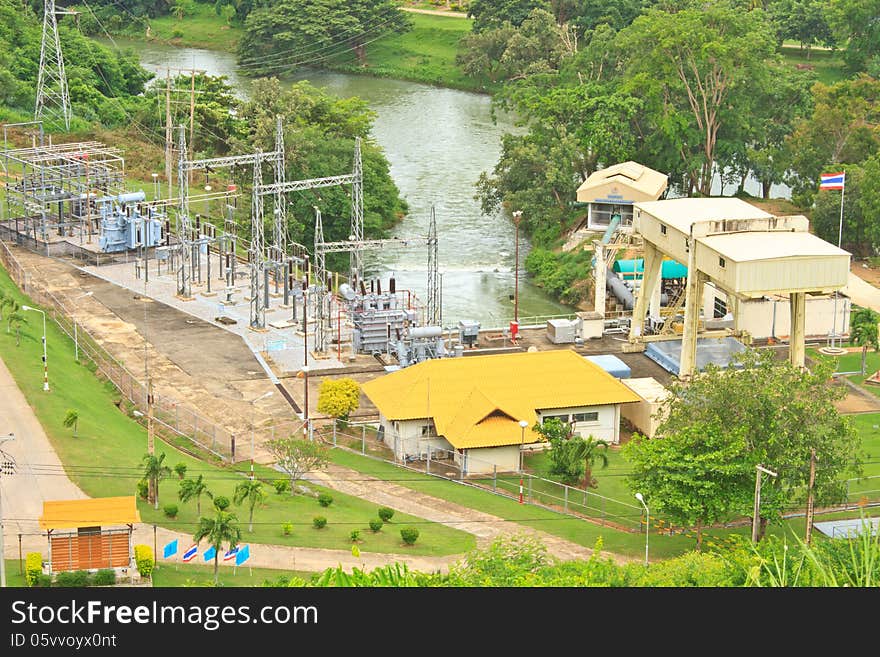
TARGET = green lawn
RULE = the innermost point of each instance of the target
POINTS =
(104, 460)
(852, 362)
(186, 574)
(828, 65)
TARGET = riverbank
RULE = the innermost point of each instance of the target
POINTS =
(426, 54)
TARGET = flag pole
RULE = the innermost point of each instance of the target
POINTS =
(842, 192)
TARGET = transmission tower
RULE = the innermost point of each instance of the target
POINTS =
(183, 226)
(280, 215)
(257, 257)
(432, 311)
(52, 93)
(357, 217)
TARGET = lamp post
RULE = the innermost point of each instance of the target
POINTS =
(756, 512)
(45, 360)
(641, 498)
(517, 217)
(75, 332)
(522, 441)
(253, 403)
(305, 370)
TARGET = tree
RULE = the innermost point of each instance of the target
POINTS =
(863, 332)
(250, 491)
(571, 457)
(491, 14)
(14, 321)
(297, 457)
(804, 21)
(193, 489)
(844, 127)
(284, 35)
(781, 412)
(589, 450)
(222, 528)
(339, 398)
(71, 419)
(155, 471)
(697, 70)
(855, 22)
(696, 476)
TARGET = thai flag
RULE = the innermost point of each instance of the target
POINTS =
(191, 553)
(832, 180)
(229, 555)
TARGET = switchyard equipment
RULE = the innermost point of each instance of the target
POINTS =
(125, 224)
(468, 332)
(55, 186)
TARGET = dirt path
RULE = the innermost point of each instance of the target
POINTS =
(435, 12)
(484, 526)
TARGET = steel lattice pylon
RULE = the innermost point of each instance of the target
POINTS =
(257, 256)
(279, 210)
(320, 278)
(356, 264)
(432, 310)
(183, 225)
(52, 92)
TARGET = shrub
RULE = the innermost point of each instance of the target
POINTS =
(319, 522)
(286, 528)
(281, 486)
(355, 535)
(75, 578)
(170, 510)
(44, 581)
(105, 577)
(324, 499)
(409, 535)
(143, 557)
(221, 502)
(143, 489)
(177, 34)
(33, 568)
(376, 524)
(385, 513)
(180, 469)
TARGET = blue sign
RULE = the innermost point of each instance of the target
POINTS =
(276, 345)
(243, 554)
(170, 549)
(209, 553)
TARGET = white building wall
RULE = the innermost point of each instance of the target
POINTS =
(405, 438)
(485, 460)
(606, 427)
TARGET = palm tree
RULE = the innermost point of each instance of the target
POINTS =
(71, 420)
(6, 301)
(155, 471)
(863, 332)
(3, 302)
(222, 528)
(590, 449)
(251, 491)
(193, 488)
(14, 320)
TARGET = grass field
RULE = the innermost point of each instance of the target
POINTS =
(104, 460)
(186, 574)
(827, 64)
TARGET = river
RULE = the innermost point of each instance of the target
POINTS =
(437, 141)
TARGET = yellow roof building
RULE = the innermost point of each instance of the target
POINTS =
(93, 512)
(478, 401)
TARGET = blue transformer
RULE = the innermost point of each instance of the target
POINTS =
(124, 227)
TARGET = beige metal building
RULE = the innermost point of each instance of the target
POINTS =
(614, 191)
(647, 414)
(742, 250)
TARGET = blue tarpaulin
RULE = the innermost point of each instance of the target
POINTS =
(611, 364)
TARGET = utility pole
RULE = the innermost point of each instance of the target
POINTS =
(809, 536)
(756, 512)
(168, 132)
(517, 217)
(151, 442)
(192, 111)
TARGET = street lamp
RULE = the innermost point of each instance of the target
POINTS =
(517, 217)
(7, 467)
(641, 499)
(756, 512)
(75, 332)
(253, 403)
(45, 360)
(522, 441)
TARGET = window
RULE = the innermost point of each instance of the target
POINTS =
(719, 308)
(721, 262)
(561, 418)
(592, 416)
(662, 229)
(426, 430)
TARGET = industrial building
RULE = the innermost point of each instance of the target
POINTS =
(614, 190)
(739, 249)
(471, 407)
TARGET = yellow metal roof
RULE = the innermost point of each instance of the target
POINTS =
(478, 401)
(100, 511)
